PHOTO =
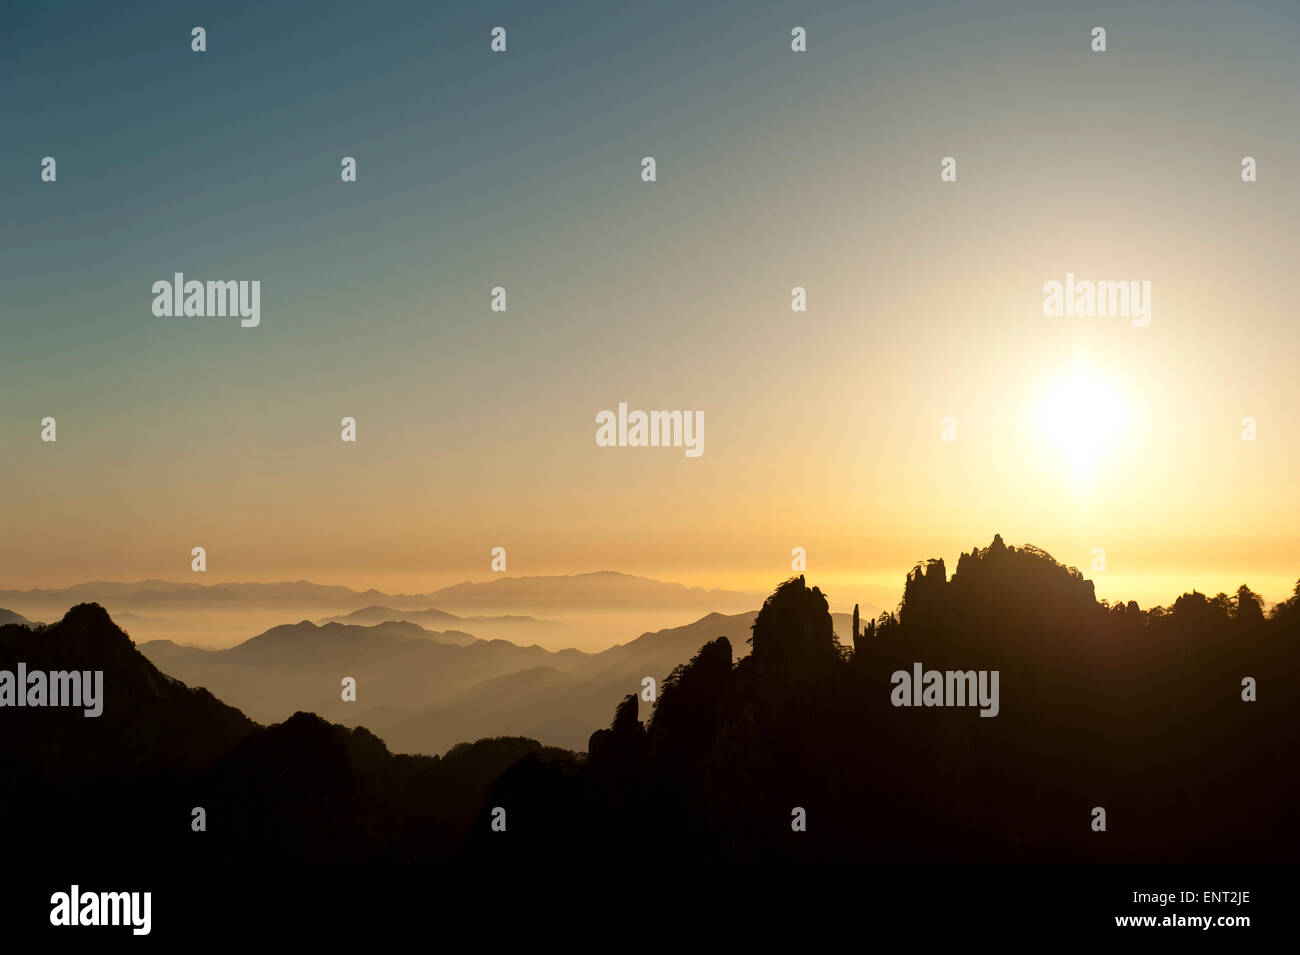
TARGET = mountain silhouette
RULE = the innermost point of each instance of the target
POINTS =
(300, 667)
(8, 616)
(596, 606)
(128, 780)
(425, 699)
(797, 750)
(559, 705)
(512, 627)
(1140, 714)
(604, 589)
(587, 592)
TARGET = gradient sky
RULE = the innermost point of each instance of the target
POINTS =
(776, 169)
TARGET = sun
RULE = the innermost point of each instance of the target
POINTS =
(1082, 419)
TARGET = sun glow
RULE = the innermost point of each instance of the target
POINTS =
(1082, 419)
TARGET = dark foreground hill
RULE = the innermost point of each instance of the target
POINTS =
(796, 752)
(1139, 721)
(125, 784)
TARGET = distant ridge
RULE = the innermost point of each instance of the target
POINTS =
(512, 627)
(600, 589)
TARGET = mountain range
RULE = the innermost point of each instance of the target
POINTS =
(589, 592)
(423, 690)
(1170, 725)
(504, 626)
(588, 611)
(8, 616)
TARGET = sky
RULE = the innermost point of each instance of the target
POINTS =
(775, 169)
